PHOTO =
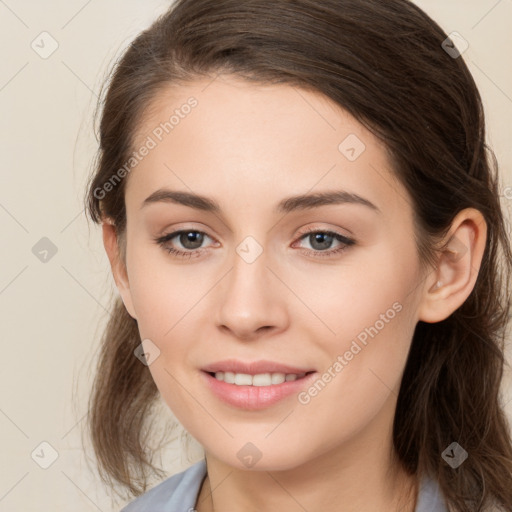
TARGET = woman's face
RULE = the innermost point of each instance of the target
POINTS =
(261, 280)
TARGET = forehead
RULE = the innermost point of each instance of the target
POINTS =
(227, 137)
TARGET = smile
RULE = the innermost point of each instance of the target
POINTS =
(260, 379)
(256, 392)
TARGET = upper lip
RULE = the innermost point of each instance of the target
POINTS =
(253, 367)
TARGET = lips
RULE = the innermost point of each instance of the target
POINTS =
(256, 397)
(254, 367)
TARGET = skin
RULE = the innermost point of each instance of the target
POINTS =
(247, 147)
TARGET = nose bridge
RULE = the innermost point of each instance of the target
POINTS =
(249, 295)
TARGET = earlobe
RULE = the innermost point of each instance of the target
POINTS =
(452, 281)
(119, 272)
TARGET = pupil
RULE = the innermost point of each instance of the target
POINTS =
(325, 244)
(191, 237)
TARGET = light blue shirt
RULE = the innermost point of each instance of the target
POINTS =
(179, 493)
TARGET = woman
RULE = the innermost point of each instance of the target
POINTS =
(303, 223)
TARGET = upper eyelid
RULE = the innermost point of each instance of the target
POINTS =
(307, 231)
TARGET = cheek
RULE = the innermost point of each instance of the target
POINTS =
(162, 293)
(361, 291)
(362, 372)
(369, 308)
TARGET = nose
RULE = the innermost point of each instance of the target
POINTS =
(251, 300)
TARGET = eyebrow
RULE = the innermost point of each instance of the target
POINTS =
(290, 204)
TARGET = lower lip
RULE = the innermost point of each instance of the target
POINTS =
(255, 397)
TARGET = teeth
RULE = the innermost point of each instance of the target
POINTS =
(261, 379)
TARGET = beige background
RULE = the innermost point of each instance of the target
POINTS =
(53, 312)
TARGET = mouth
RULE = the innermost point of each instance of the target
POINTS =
(258, 391)
(259, 379)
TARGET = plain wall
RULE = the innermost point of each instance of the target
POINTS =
(53, 311)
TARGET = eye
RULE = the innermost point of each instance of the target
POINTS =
(323, 239)
(190, 239)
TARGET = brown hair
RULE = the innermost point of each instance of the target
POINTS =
(423, 103)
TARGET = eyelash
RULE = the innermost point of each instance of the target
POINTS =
(347, 242)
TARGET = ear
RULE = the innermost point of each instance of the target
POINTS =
(449, 285)
(119, 271)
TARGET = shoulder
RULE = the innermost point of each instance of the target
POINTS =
(177, 493)
(430, 497)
